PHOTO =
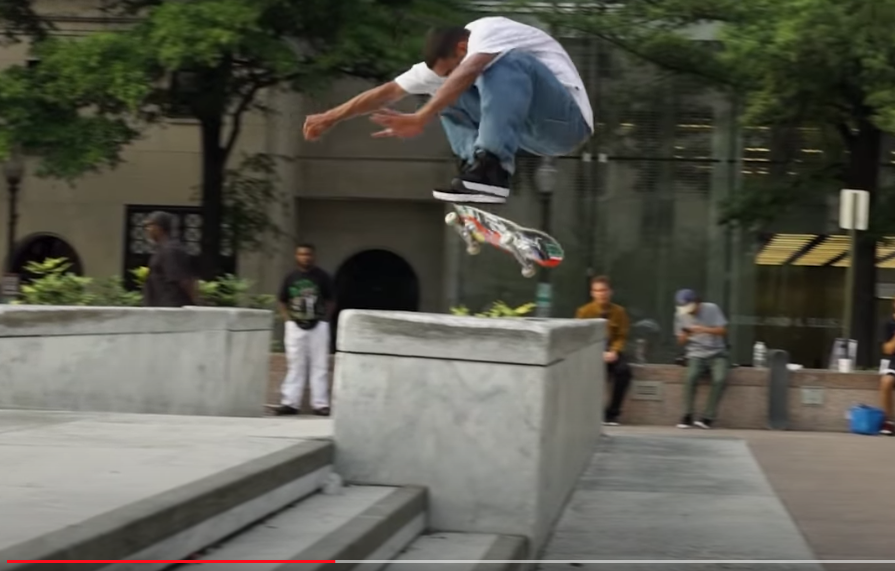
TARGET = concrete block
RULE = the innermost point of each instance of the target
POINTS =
(496, 417)
(204, 361)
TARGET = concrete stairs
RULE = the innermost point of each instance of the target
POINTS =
(284, 506)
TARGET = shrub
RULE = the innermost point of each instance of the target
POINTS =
(55, 285)
(497, 309)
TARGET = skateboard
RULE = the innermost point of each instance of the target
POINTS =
(530, 247)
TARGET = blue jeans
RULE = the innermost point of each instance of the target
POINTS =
(516, 103)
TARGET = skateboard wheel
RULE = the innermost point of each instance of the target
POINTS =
(451, 218)
(528, 272)
(473, 249)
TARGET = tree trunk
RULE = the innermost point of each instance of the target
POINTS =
(213, 165)
(863, 174)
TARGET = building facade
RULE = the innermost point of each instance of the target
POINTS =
(641, 203)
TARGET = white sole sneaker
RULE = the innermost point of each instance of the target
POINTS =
(463, 198)
(487, 188)
(702, 425)
(682, 425)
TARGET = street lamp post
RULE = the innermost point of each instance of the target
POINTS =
(545, 183)
(13, 171)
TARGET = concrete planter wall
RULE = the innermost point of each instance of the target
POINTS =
(203, 361)
(497, 418)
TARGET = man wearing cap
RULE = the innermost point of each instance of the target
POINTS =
(171, 281)
(702, 329)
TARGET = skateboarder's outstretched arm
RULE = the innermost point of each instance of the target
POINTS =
(366, 102)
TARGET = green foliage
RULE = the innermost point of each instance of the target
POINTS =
(232, 291)
(55, 285)
(497, 309)
(111, 292)
(824, 64)
(18, 18)
(91, 96)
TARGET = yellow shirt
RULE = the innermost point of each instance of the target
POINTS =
(617, 318)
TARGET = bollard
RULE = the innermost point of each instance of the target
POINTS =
(778, 390)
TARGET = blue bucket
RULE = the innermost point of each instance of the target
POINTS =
(865, 419)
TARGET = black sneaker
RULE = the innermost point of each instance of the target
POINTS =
(322, 411)
(686, 422)
(485, 181)
(285, 410)
(705, 423)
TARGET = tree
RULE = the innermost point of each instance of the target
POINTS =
(208, 58)
(19, 18)
(827, 64)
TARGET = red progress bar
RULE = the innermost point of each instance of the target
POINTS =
(193, 561)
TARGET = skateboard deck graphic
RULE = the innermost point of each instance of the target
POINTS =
(530, 247)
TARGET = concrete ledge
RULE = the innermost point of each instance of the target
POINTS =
(203, 361)
(818, 399)
(55, 321)
(206, 511)
(437, 336)
(495, 417)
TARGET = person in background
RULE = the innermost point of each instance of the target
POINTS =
(171, 281)
(702, 329)
(306, 302)
(887, 374)
(617, 368)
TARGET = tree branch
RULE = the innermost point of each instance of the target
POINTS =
(237, 115)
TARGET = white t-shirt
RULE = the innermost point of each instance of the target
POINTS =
(499, 35)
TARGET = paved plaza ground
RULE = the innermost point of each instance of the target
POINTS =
(651, 492)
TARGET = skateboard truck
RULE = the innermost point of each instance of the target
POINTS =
(465, 231)
(509, 242)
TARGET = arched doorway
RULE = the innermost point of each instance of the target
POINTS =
(375, 279)
(39, 247)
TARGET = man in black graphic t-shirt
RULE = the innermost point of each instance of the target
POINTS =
(887, 372)
(306, 302)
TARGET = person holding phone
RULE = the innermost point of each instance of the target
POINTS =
(701, 329)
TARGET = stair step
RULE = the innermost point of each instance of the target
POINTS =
(362, 522)
(176, 523)
(462, 547)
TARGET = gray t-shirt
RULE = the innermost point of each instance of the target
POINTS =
(703, 345)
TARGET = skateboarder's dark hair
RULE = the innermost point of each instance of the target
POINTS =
(600, 280)
(441, 43)
(306, 246)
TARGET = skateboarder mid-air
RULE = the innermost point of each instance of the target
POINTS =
(497, 86)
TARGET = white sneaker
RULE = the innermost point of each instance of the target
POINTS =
(703, 424)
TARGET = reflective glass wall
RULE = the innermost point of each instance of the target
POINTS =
(642, 204)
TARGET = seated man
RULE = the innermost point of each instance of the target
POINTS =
(617, 326)
(887, 370)
(701, 328)
(498, 86)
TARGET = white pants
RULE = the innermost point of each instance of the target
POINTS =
(307, 354)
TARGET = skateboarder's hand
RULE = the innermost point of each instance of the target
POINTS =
(316, 125)
(610, 356)
(404, 125)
